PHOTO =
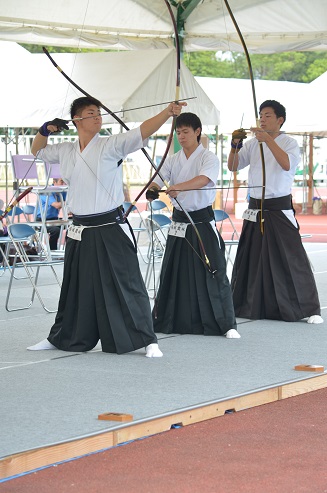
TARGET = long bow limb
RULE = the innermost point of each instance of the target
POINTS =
(204, 258)
(171, 134)
(15, 202)
(169, 141)
(121, 122)
(255, 112)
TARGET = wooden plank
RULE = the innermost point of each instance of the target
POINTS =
(34, 459)
(196, 415)
(303, 386)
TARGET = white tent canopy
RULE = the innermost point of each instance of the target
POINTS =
(268, 26)
(237, 110)
(305, 104)
(34, 91)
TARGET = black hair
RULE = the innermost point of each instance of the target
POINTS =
(278, 108)
(79, 104)
(189, 120)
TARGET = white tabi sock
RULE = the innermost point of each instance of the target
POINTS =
(153, 351)
(40, 346)
(315, 319)
(232, 334)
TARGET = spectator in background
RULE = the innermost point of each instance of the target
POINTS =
(54, 206)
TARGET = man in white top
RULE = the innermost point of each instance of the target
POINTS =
(103, 295)
(272, 276)
(194, 295)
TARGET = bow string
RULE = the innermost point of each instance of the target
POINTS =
(248, 59)
(204, 257)
(119, 120)
(157, 169)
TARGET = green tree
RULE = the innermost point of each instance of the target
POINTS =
(291, 66)
(55, 49)
(315, 69)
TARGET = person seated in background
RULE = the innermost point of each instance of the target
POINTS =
(3, 227)
(3, 230)
(52, 213)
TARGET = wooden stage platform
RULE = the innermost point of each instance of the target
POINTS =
(50, 400)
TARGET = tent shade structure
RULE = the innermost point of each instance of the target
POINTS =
(268, 26)
(37, 92)
(305, 108)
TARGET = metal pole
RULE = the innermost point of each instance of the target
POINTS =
(221, 137)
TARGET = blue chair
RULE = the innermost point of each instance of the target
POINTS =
(23, 235)
(5, 242)
(158, 223)
(127, 205)
(16, 212)
(136, 229)
(158, 205)
(28, 210)
(221, 216)
(157, 227)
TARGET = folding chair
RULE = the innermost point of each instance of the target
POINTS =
(221, 216)
(158, 205)
(29, 210)
(5, 242)
(25, 167)
(157, 227)
(53, 171)
(20, 234)
(135, 210)
(140, 228)
(159, 223)
(15, 213)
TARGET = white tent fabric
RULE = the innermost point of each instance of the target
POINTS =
(305, 104)
(34, 91)
(268, 26)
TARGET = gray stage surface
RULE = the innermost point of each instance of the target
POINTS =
(51, 396)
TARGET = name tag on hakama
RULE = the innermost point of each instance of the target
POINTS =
(250, 215)
(75, 232)
(178, 229)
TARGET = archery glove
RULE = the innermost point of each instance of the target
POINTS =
(239, 134)
(152, 194)
(57, 122)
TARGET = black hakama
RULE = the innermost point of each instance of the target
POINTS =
(103, 295)
(190, 299)
(272, 277)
